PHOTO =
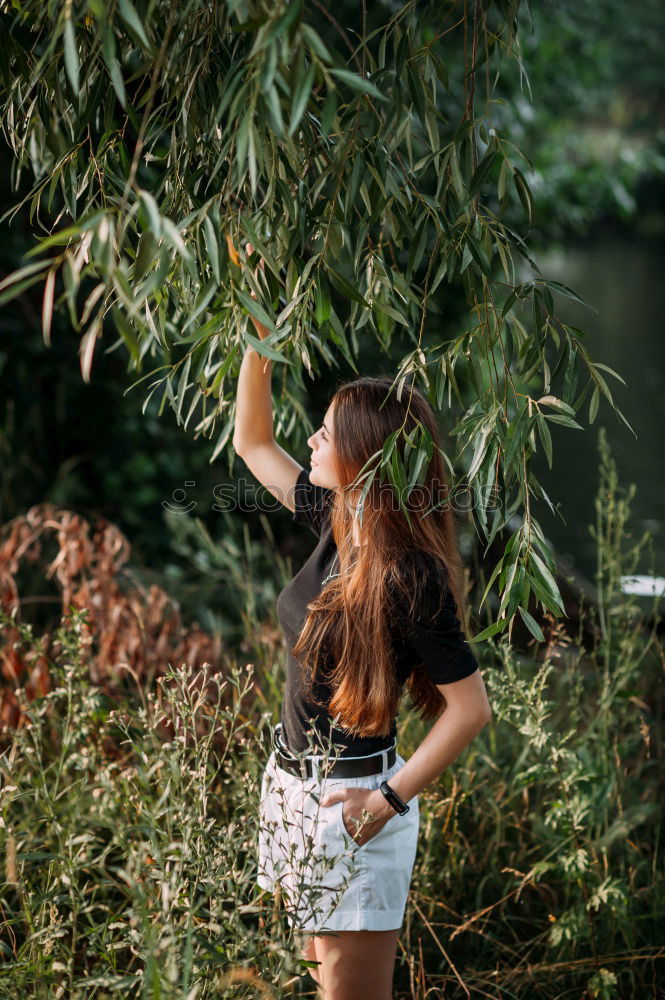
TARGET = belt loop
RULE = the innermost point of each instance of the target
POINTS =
(319, 769)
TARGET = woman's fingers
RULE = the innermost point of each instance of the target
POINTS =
(249, 250)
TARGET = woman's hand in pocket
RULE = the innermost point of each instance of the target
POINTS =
(365, 811)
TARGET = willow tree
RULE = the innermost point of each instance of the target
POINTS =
(364, 153)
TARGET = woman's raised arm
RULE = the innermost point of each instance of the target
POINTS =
(253, 437)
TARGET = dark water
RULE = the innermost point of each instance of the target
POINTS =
(624, 280)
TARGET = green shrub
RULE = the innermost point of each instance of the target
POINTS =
(129, 831)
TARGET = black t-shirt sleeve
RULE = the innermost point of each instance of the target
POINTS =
(312, 503)
(440, 644)
(434, 635)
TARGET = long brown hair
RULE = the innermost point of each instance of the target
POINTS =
(351, 616)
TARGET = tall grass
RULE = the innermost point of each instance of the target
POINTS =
(129, 830)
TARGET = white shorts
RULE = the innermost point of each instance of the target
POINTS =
(328, 881)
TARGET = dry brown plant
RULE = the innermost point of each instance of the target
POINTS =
(132, 632)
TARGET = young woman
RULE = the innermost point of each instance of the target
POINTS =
(376, 607)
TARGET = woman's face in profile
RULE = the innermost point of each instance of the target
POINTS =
(322, 471)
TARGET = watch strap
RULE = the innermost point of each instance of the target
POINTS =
(396, 802)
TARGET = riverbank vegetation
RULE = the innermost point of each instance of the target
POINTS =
(128, 820)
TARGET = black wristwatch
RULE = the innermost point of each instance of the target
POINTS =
(398, 805)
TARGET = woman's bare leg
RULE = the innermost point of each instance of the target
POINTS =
(309, 953)
(356, 965)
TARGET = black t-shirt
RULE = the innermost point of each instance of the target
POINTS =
(432, 637)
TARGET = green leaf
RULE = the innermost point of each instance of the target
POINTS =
(503, 179)
(24, 272)
(280, 25)
(388, 446)
(495, 573)
(251, 151)
(353, 186)
(510, 300)
(467, 257)
(172, 235)
(275, 109)
(418, 246)
(593, 405)
(145, 254)
(547, 581)
(532, 625)
(322, 309)
(64, 236)
(133, 22)
(558, 418)
(480, 256)
(256, 310)
(300, 96)
(569, 293)
(541, 594)
(416, 91)
(154, 217)
(338, 337)
(260, 246)
(545, 438)
(182, 386)
(113, 66)
(383, 307)
(606, 368)
(202, 301)
(398, 473)
(316, 43)
(261, 347)
(491, 630)
(71, 56)
(600, 383)
(343, 286)
(329, 112)
(15, 289)
(557, 404)
(127, 334)
(212, 246)
(516, 435)
(524, 193)
(242, 140)
(481, 447)
(482, 170)
(357, 82)
(510, 585)
(519, 592)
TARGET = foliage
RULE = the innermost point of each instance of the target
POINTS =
(129, 879)
(129, 830)
(365, 166)
(590, 115)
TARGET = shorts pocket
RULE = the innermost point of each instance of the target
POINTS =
(339, 819)
(341, 826)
